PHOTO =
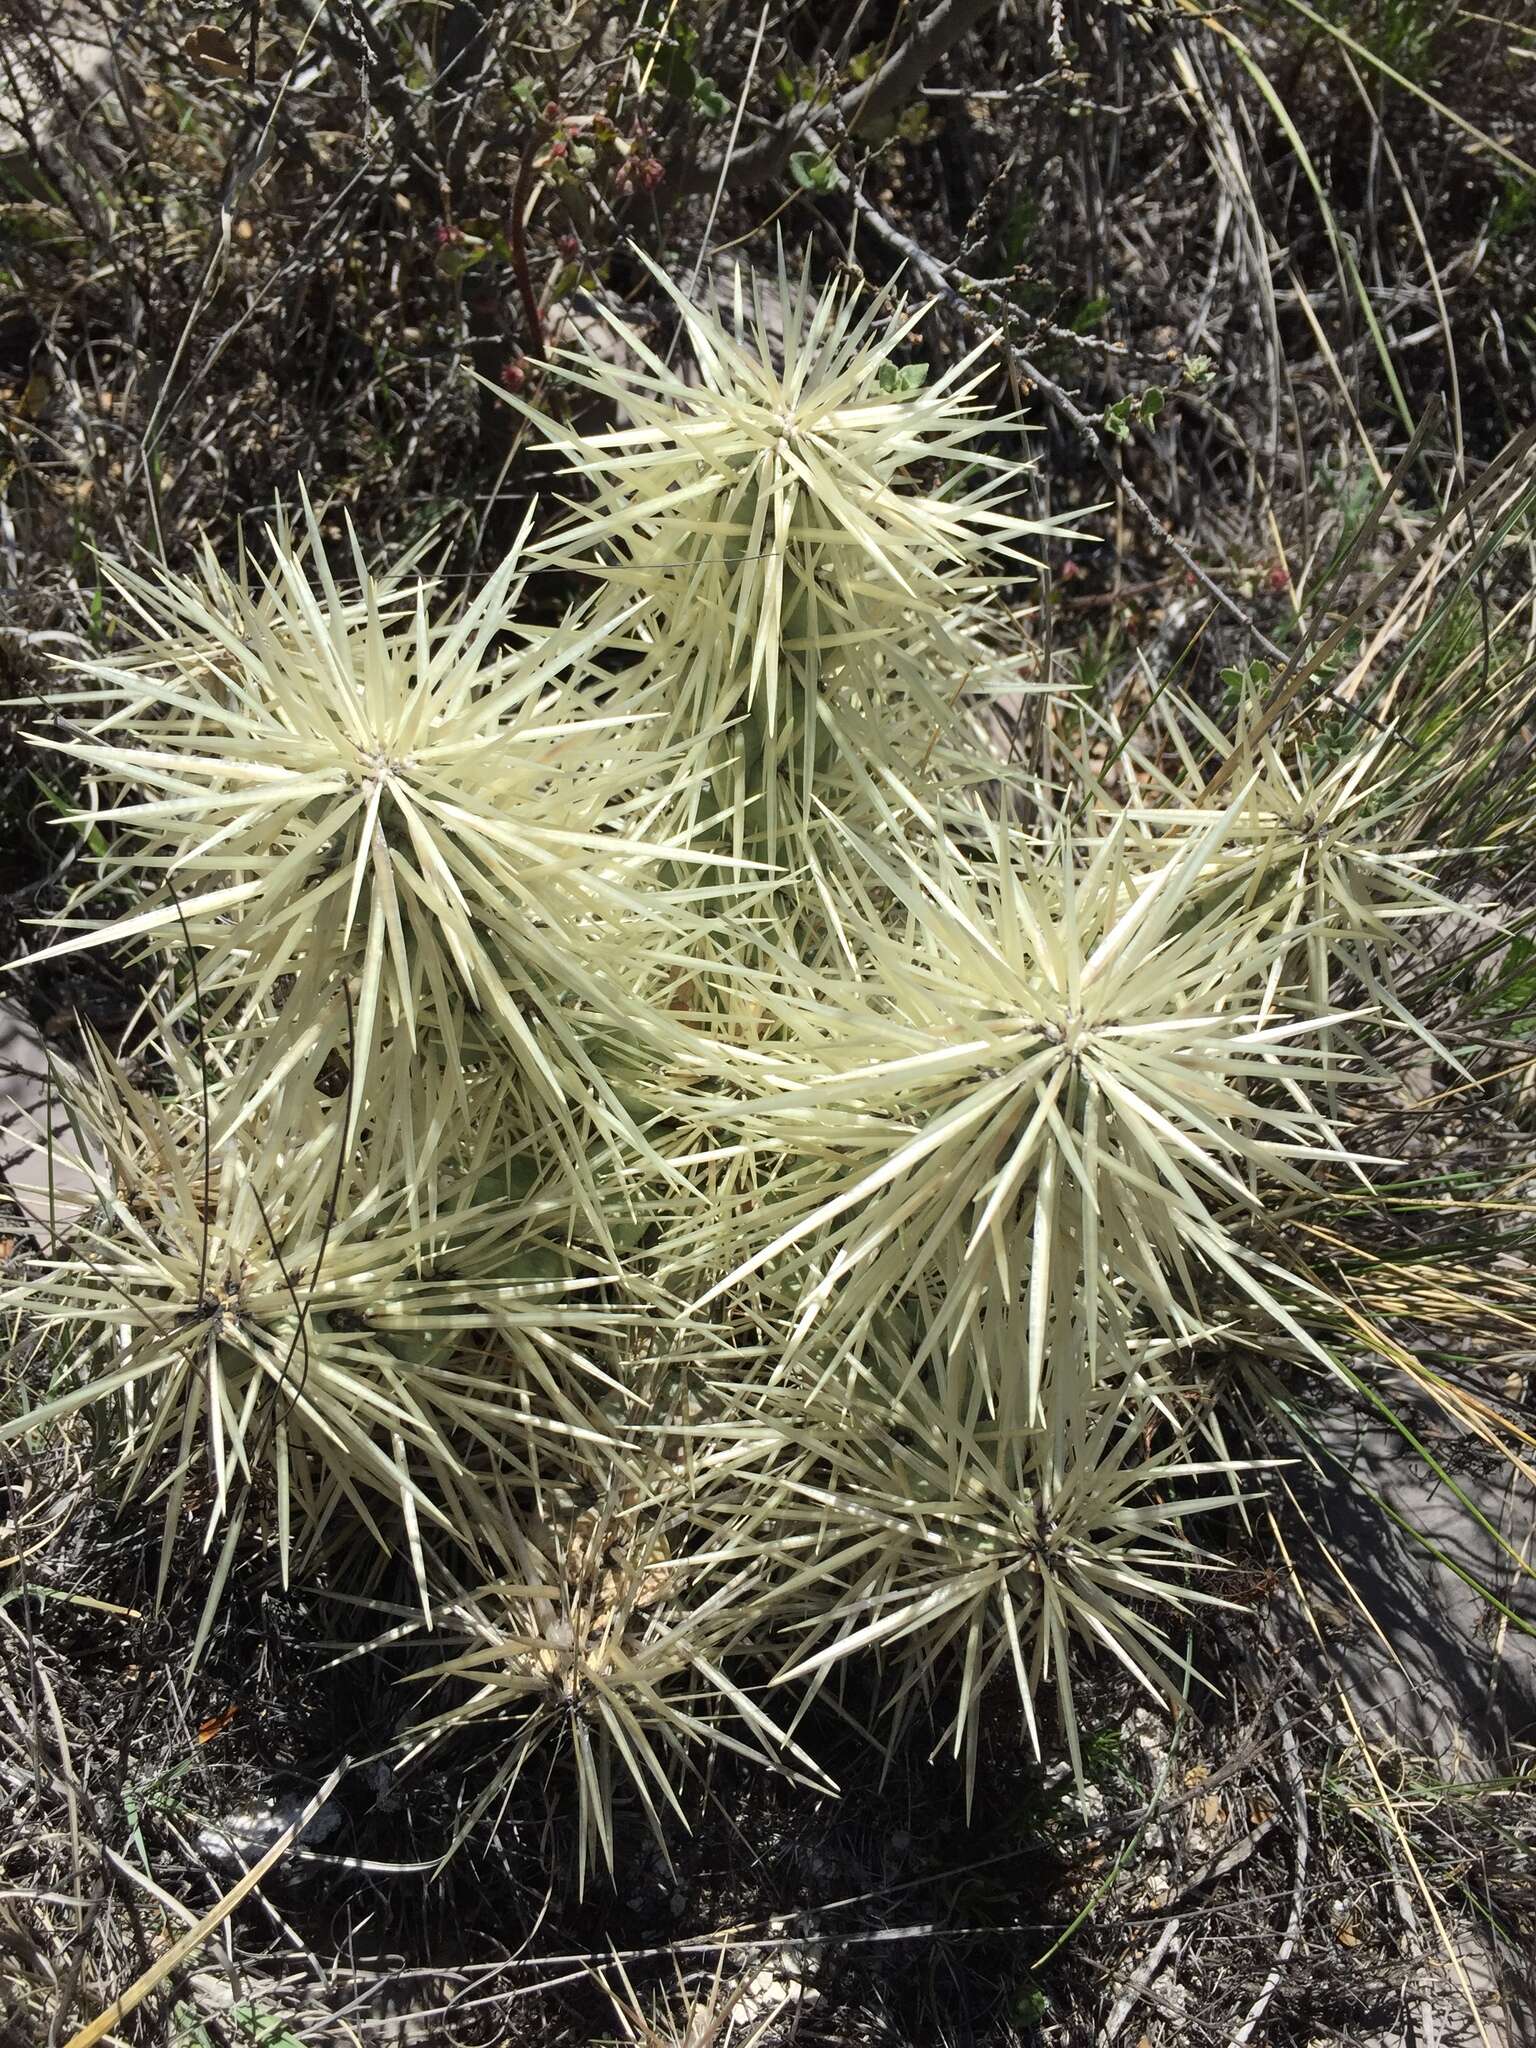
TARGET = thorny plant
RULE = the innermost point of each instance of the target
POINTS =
(807, 603)
(737, 1195)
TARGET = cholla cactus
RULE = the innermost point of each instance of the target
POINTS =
(925, 1539)
(353, 797)
(1320, 839)
(221, 1306)
(1051, 1079)
(655, 1123)
(268, 1332)
(811, 525)
(699, 2017)
(611, 1645)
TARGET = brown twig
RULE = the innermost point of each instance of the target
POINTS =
(1301, 1824)
(517, 242)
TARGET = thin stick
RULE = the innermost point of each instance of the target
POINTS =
(1140, 1982)
(1291, 1757)
(517, 241)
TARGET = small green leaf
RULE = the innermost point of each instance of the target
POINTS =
(710, 100)
(1151, 403)
(899, 378)
(1030, 2004)
(1117, 419)
(812, 173)
(1239, 681)
(456, 259)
